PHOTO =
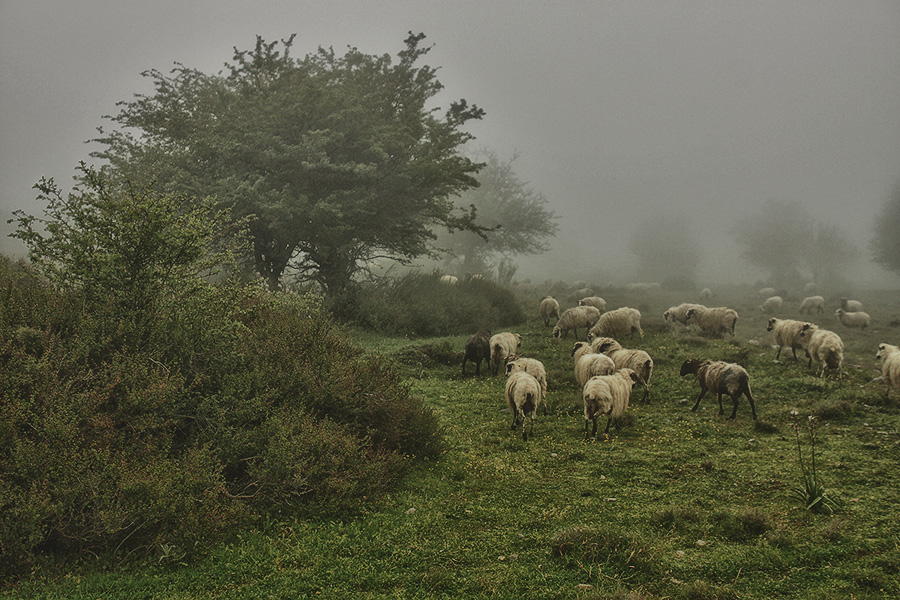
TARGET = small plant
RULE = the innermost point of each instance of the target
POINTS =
(811, 491)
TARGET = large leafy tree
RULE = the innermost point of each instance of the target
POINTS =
(339, 159)
(885, 242)
(515, 218)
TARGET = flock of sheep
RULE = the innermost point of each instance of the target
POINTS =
(607, 373)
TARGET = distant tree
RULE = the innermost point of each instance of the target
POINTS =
(885, 243)
(830, 253)
(515, 216)
(776, 238)
(338, 159)
(666, 249)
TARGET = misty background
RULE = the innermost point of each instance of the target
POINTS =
(620, 113)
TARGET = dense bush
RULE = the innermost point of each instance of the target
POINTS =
(418, 304)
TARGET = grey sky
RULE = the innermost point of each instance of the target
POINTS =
(617, 109)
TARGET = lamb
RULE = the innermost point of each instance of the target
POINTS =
(771, 304)
(478, 348)
(502, 345)
(549, 309)
(523, 394)
(890, 366)
(595, 301)
(589, 363)
(857, 320)
(722, 378)
(449, 279)
(825, 347)
(607, 395)
(618, 322)
(705, 294)
(636, 360)
(851, 305)
(575, 317)
(678, 314)
(533, 367)
(786, 332)
(812, 303)
(713, 321)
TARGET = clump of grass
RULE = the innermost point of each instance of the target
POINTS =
(761, 426)
(677, 518)
(741, 525)
(832, 409)
(606, 545)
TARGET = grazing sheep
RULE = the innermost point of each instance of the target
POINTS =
(766, 292)
(549, 310)
(449, 279)
(595, 301)
(890, 366)
(851, 305)
(786, 332)
(582, 292)
(812, 303)
(713, 321)
(478, 348)
(823, 346)
(589, 363)
(853, 320)
(502, 345)
(619, 322)
(722, 378)
(636, 360)
(705, 294)
(678, 314)
(533, 367)
(575, 317)
(771, 304)
(811, 287)
(523, 394)
(607, 395)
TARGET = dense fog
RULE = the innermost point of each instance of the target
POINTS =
(633, 119)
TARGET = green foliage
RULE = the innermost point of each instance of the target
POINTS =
(607, 546)
(339, 159)
(811, 491)
(885, 244)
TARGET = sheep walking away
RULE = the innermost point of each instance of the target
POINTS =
(721, 378)
(607, 395)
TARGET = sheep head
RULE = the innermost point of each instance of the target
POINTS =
(691, 365)
(808, 329)
(771, 324)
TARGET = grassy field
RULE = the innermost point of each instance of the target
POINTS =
(673, 505)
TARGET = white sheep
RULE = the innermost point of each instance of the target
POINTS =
(825, 347)
(714, 321)
(853, 320)
(589, 363)
(523, 394)
(786, 333)
(771, 304)
(678, 314)
(890, 366)
(595, 301)
(812, 303)
(851, 305)
(811, 287)
(533, 367)
(502, 345)
(449, 279)
(705, 294)
(607, 395)
(722, 378)
(582, 292)
(619, 322)
(574, 318)
(549, 310)
(766, 292)
(637, 360)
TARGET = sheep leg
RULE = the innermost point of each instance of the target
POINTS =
(778, 354)
(478, 368)
(734, 403)
(702, 393)
(608, 421)
(464, 366)
(794, 352)
(722, 410)
(530, 429)
(646, 397)
(808, 364)
(745, 389)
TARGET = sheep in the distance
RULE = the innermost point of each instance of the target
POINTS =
(766, 292)
(812, 304)
(549, 310)
(449, 279)
(637, 360)
(823, 346)
(533, 367)
(607, 395)
(714, 321)
(705, 295)
(786, 333)
(890, 366)
(771, 305)
(582, 292)
(595, 301)
(478, 348)
(523, 394)
(721, 378)
(853, 320)
(679, 314)
(575, 318)
(589, 363)
(502, 345)
(851, 305)
(616, 323)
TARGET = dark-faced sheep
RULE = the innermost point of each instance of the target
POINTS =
(523, 394)
(679, 314)
(607, 395)
(720, 378)
(478, 348)
(636, 360)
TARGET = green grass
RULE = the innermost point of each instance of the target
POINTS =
(674, 505)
